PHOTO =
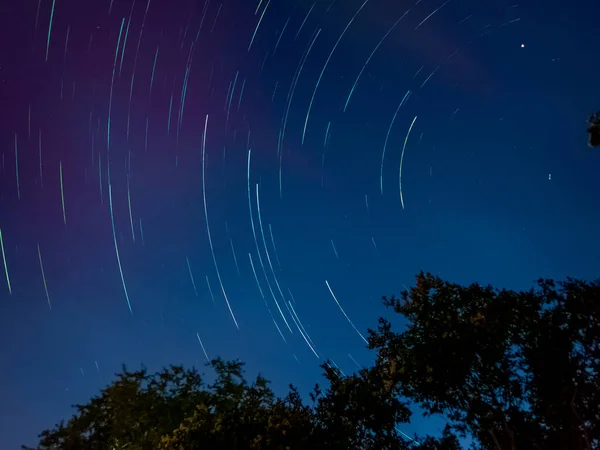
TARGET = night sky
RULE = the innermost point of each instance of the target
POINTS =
(185, 179)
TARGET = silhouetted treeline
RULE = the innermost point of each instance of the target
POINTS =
(511, 370)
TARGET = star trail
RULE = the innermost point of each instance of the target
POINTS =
(196, 178)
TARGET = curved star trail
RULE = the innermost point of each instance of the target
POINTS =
(172, 171)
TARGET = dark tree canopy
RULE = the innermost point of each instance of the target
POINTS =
(175, 409)
(594, 130)
(510, 370)
(516, 370)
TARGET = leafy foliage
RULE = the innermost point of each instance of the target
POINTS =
(175, 409)
(594, 130)
(242, 416)
(134, 412)
(516, 370)
(511, 370)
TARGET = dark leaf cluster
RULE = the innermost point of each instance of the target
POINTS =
(594, 130)
(515, 370)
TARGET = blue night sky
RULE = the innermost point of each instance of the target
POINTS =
(170, 169)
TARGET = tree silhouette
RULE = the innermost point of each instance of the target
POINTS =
(242, 416)
(175, 409)
(516, 370)
(511, 370)
(594, 130)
